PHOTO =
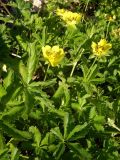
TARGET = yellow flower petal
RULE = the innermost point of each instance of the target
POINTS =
(53, 54)
(46, 51)
(69, 17)
(101, 48)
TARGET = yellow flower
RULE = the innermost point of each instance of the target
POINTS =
(110, 18)
(116, 32)
(60, 12)
(70, 18)
(101, 48)
(53, 54)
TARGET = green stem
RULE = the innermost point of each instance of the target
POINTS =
(77, 59)
(46, 72)
(90, 68)
(73, 68)
(107, 30)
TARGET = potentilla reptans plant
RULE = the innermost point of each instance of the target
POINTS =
(59, 80)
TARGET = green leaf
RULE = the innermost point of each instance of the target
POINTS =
(43, 84)
(14, 152)
(11, 131)
(23, 71)
(8, 80)
(80, 130)
(2, 91)
(37, 135)
(83, 100)
(99, 119)
(93, 72)
(98, 80)
(66, 121)
(59, 92)
(67, 95)
(57, 133)
(99, 127)
(29, 103)
(4, 154)
(12, 112)
(22, 43)
(59, 112)
(47, 140)
(32, 61)
(59, 151)
(62, 92)
(92, 113)
(84, 68)
(1, 141)
(81, 152)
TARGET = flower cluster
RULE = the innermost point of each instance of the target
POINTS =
(69, 17)
(53, 54)
(101, 48)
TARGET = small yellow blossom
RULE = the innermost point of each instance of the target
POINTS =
(53, 54)
(101, 48)
(70, 18)
(116, 32)
(60, 12)
(110, 18)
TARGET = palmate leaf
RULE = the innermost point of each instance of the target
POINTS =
(81, 152)
(23, 71)
(99, 127)
(45, 140)
(29, 103)
(13, 132)
(92, 113)
(84, 67)
(57, 133)
(66, 121)
(4, 154)
(93, 72)
(62, 93)
(8, 80)
(12, 112)
(22, 43)
(32, 61)
(99, 122)
(2, 145)
(33, 58)
(48, 140)
(66, 95)
(2, 91)
(42, 83)
(14, 152)
(36, 135)
(59, 92)
(60, 148)
(78, 132)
